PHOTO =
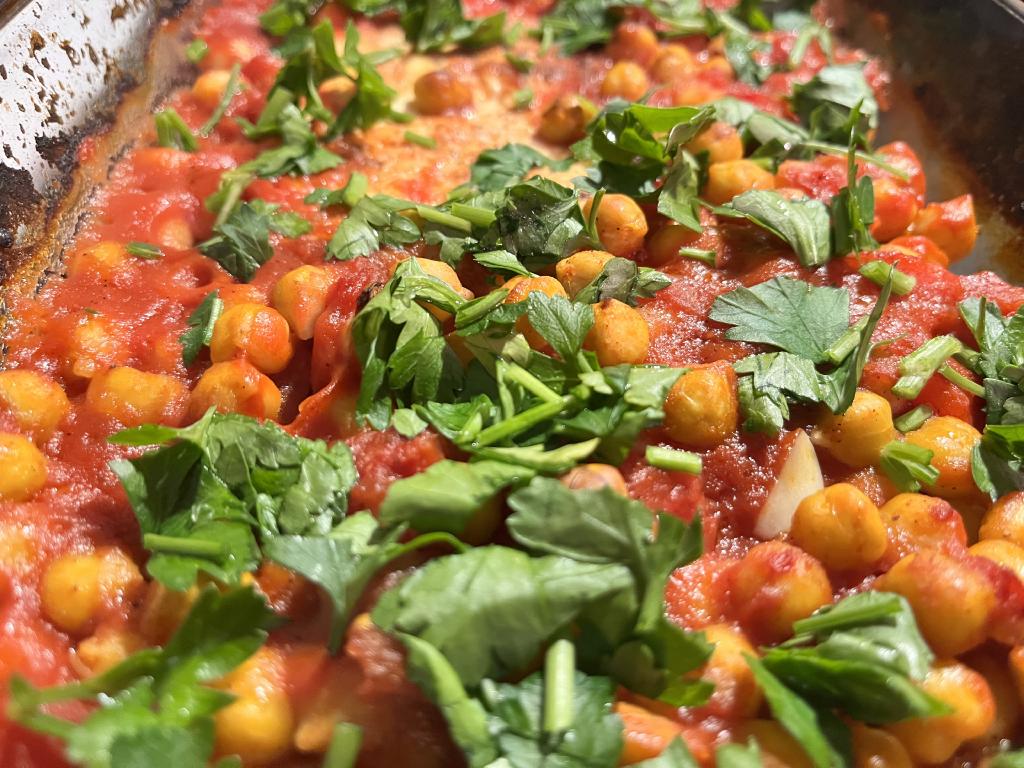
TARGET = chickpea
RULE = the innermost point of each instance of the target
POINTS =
(235, 387)
(621, 224)
(209, 87)
(134, 397)
(579, 270)
(519, 289)
(300, 296)
(108, 647)
(951, 225)
(1016, 661)
(1004, 553)
(721, 141)
(993, 664)
(337, 92)
(332, 701)
(727, 180)
(255, 333)
(592, 477)
(895, 208)
(625, 80)
(163, 610)
(24, 466)
(76, 587)
(94, 346)
(935, 739)
(664, 245)
(645, 734)
(718, 64)
(619, 334)
(774, 585)
(778, 748)
(952, 602)
(257, 726)
(103, 259)
(632, 41)
(176, 234)
(702, 408)
(36, 403)
(917, 522)
(442, 91)
(856, 436)
(875, 748)
(566, 120)
(841, 527)
(673, 64)
(951, 442)
(1005, 519)
(448, 276)
(736, 694)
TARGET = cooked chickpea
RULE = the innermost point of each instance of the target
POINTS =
(774, 585)
(36, 403)
(993, 665)
(625, 80)
(952, 601)
(1005, 519)
(209, 87)
(235, 387)
(619, 334)
(257, 726)
(841, 527)
(448, 276)
(580, 269)
(1004, 553)
(875, 748)
(592, 477)
(778, 748)
(727, 180)
(566, 120)
(24, 468)
(94, 346)
(337, 92)
(917, 522)
(895, 208)
(163, 610)
(736, 694)
(856, 436)
(664, 245)
(108, 647)
(1016, 662)
(951, 225)
(673, 64)
(702, 408)
(718, 64)
(134, 397)
(300, 296)
(951, 442)
(519, 289)
(176, 234)
(721, 141)
(645, 734)
(255, 333)
(442, 91)
(632, 41)
(621, 224)
(104, 259)
(932, 740)
(75, 587)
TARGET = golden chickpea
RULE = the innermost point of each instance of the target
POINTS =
(841, 527)
(592, 477)
(736, 694)
(727, 180)
(337, 92)
(76, 587)
(442, 91)
(993, 664)
(94, 346)
(580, 269)
(702, 408)
(257, 726)
(664, 245)
(721, 141)
(103, 259)
(932, 740)
(874, 748)
(209, 87)
(519, 289)
(108, 647)
(674, 64)
(632, 41)
(163, 610)
(300, 296)
(1001, 552)
(625, 80)
(24, 466)
(255, 333)
(951, 225)
(952, 602)
(619, 334)
(951, 442)
(134, 397)
(235, 387)
(1016, 662)
(645, 733)
(566, 120)
(36, 403)
(718, 64)
(917, 522)
(774, 585)
(621, 224)
(176, 234)
(1005, 519)
(778, 748)
(856, 436)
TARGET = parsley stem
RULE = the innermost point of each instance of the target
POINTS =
(344, 747)
(866, 157)
(426, 539)
(522, 421)
(179, 545)
(533, 385)
(674, 460)
(921, 364)
(913, 419)
(953, 375)
(559, 674)
(482, 217)
(845, 344)
(827, 620)
(229, 93)
(878, 272)
(443, 219)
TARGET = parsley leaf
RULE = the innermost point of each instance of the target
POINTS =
(437, 25)
(373, 222)
(831, 98)
(200, 327)
(540, 222)
(803, 224)
(495, 169)
(172, 131)
(622, 280)
(241, 244)
(908, 466)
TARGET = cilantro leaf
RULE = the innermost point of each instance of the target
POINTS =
(200, 327)
(803, 224)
